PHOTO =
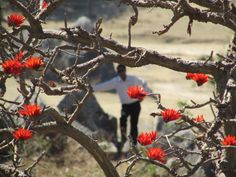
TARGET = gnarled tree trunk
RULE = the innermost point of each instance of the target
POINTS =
(226, 89)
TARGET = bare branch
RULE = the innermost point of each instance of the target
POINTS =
(29, 169)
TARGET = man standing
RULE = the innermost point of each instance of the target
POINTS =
(130, 107)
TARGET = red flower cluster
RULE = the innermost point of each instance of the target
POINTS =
(229, 141)
(199, 118)
(52, 83)
(136, 92)
(30, 110)
(33, 62)
(19, 55)
(22, 134)
(156, 154)
(170, 115)
(146, 138)
(13, 66)
(44, 5)
(189, 76)
(15, 20)
(200, 79)
(197, 77)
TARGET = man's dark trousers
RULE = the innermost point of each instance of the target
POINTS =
(133, 111)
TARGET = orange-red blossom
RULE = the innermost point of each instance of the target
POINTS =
(30, 110)
(229, 140)
(33, 62)
(13, 65)
(198, 119)
(170, 115)
(15, 20)
(199, 78)
(156, 154)
(22, 134)
(136, 92)
(146, 138)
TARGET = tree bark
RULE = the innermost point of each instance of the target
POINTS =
(88, 143)
(227, 112)
(7, 171)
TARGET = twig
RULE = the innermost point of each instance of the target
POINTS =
(167, 139)
(11, 102)
(77, 110)
(212, 110)
(29, 169)
(124, 161)
(210, 57)
(195, 106)
(132, 21)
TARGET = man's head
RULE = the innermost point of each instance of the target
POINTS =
(121, 70)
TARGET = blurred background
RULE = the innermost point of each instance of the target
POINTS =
(173, 87)
(175, 90)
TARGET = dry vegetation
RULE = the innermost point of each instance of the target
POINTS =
(171, 85)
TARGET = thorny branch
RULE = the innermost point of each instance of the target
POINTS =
(207, 134)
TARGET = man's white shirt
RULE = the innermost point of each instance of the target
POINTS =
(121, 87)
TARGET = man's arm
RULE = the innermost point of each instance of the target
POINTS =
(145, 87)
(143, 83)
(105, 86)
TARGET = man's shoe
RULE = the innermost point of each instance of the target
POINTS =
(117, 156)
(119, 146)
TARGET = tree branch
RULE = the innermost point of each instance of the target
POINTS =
(85, 141)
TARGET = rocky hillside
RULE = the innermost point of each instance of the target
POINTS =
(90, 8)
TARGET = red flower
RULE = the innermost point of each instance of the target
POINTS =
(19, 55)
(33, 62)
(13, 66)
(30, 110)
(170, 115)
(229, 141)
(146, 138)
(136, 92)
(156, 154)
(200, 78)
(52, 83)
(199, 118)
(22, 134)
(153, 135)
(189, 76)
(44, 5)
(15, 20)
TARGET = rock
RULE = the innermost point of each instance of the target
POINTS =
(92, 9)
(91, 116)
(182, 140)
(63, 60)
